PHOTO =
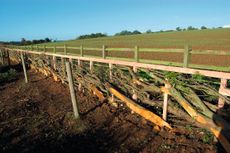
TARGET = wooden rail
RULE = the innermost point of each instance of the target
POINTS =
(135, 63)
(132, 63)
(187, 52)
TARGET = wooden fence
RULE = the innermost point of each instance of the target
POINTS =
(134, 54)
(135, 62)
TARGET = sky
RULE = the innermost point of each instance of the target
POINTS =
(67, 19)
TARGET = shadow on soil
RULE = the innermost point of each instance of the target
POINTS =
(34, 119)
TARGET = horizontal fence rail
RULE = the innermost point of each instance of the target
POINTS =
(136, 54)
(67, 54)
(132, 63)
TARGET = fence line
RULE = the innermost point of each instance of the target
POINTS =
(187, 53)
(136, 64)
(185, 70)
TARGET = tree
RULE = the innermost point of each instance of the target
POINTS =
(123, 33)
(23, 41)
(136, 32)
(92, 35)
(149, 31)
(191, 28)
(203, 28)
(47, 40)
(178, 29)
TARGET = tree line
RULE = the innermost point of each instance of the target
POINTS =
(31, 42)
(26, 42)
(136, 32)
(99, 35)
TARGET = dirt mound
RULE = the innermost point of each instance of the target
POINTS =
(36, 117)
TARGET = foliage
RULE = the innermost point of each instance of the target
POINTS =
(92, 35)
(29, 42)
(126, 32)
(203, 28)
(207, 137)
(191, 28)
(172, 77)
(198, 78)
(149, 31)
(178, 29)
(8, 76)
(144, 75)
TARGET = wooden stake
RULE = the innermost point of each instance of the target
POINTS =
(80, 85)
(223, 85)
(91, 66)
(2, 57)
(65, 50)
(54, 59)
(136, 54)
(81, 51)
(187, 50)
(72, 92)
(8, 57)
(24, 68)
(140, 110)
(44, 48)
(71, 61)
(110, 71)
(111, 77)
(134, 96)
(135, 69)
(112, 98)
(63, 67)
(79, 62)
(165, 105)
(103, 52)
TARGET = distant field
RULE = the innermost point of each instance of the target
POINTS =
(217, 39)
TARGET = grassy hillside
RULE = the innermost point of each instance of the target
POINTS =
(217, 39)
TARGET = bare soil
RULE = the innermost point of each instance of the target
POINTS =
(211, 60)
(37, 117)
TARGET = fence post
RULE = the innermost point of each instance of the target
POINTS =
(91, 66)
(65, 50)
(81, 51)
(44, 48)
(71, 62)
(223, 85)
(110, 71)
(8, 57)
(136, 54)
(187, 50)
(72, 92)
(2, 56)
(111, 77)
(103, 52)
(135, 69)
(79, 62)
(54, 58)
(165, 104)
(63, 67)
(24, 68)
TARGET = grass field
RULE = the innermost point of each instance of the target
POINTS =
(217, 39)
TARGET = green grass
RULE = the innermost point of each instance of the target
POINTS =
(216, 39)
